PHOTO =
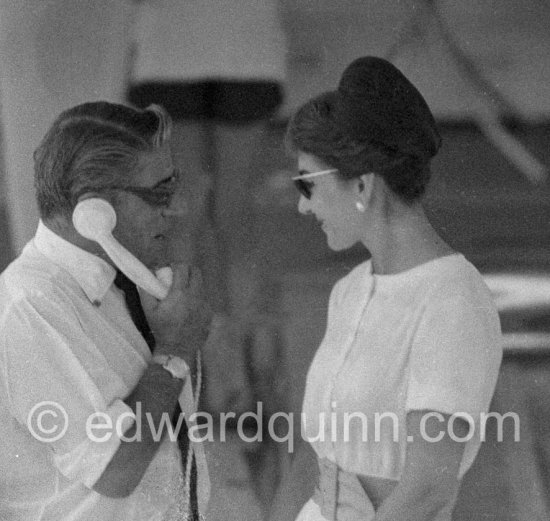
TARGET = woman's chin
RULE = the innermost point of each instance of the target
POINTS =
(339, 242)
(335, 245)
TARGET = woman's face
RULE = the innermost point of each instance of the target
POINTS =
(333, 202)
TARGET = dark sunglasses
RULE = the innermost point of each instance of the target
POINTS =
(160, 196)
(304, 186)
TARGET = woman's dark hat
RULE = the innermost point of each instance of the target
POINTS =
(377, 103)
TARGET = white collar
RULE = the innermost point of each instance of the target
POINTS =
(92, 273)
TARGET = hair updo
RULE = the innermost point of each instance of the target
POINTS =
(376, 121)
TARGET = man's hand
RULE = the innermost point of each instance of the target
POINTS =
(180, 322)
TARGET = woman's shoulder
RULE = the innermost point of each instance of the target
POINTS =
(455, 276)
(458, 314)
(458, 294)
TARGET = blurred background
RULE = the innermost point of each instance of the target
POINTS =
(231, 73)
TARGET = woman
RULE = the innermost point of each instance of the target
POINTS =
(413, 337)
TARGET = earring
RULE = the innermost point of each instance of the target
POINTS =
(360, 206)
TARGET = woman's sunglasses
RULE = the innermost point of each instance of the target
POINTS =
(304, 186)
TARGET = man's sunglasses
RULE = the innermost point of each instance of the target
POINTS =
(304, 186)
(159, 196)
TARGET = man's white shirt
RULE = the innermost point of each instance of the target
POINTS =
(69, 354)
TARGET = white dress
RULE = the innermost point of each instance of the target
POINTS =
(425, 339)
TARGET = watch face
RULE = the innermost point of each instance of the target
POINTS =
(177, 367)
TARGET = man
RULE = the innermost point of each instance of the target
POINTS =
(82, 394)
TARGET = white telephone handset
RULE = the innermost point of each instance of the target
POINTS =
(95, 219)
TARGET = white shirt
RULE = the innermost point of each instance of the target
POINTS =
(66, 337)
(425, 339)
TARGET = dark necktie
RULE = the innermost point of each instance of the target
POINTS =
(133, 302)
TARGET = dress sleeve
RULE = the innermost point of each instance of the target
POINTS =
(50, 392)
(455, 357)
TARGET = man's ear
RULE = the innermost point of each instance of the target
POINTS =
(89, 210)
(88, 195)
(91, 195)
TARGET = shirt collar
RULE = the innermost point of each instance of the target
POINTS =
(92, 273)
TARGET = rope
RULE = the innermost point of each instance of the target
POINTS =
(189, 461)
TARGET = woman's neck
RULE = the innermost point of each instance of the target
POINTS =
(403, 238)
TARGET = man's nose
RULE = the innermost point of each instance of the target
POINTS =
(178, 207)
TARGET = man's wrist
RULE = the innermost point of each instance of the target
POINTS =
(175, 365)
(165, 348)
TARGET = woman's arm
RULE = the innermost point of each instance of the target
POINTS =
(430, 478)
(297, 484)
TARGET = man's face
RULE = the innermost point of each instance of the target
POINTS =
(145, 226)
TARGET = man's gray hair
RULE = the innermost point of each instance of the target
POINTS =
(92, 147)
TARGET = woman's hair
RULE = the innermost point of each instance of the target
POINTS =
(376, 121)
(92, 147)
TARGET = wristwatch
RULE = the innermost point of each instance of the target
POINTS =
(175, 365)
